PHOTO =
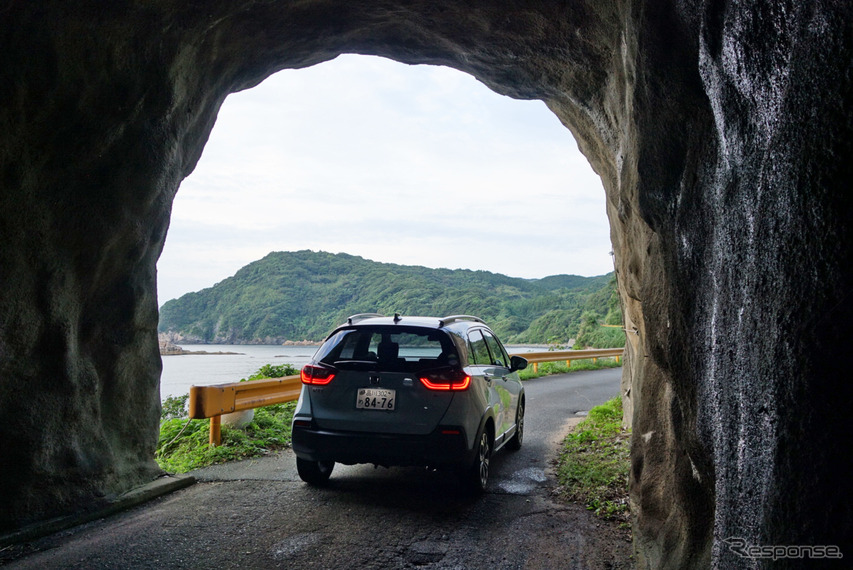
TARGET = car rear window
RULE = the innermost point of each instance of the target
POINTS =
(391, 348)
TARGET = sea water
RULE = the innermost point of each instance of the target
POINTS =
(181, 371)
(184, 370)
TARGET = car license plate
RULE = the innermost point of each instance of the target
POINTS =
(375, 399)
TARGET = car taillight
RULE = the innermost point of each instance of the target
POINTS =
(317, 375)
(447, 381)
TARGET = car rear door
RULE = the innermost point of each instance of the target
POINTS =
(377, 386)
(505, 382)
(484, 368)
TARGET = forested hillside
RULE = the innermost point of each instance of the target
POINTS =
(304, 294)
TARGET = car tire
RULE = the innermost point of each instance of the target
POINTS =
(475, 477)
(314, 472)
(515, 443)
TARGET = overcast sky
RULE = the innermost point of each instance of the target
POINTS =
(416, 165)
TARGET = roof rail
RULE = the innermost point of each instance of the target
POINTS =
(444, 321)
(361, 316)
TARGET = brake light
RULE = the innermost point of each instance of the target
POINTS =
(317, 375)
(445, 382)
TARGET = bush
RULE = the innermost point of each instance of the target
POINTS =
(272, 371)
(174, 407)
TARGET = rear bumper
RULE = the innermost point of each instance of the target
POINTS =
(437, 449)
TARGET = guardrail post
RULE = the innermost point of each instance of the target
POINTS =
(568, 364)
(213, 401)
(535, 367)
(216, 431)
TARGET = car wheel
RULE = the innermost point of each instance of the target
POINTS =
(314, 472)
(515, 443)
(476, 476)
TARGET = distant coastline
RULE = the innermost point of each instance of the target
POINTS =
(169, 343)
(301, 343)
(169, 349)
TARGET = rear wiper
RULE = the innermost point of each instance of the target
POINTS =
(355, 364)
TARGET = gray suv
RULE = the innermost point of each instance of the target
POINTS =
(426, 391)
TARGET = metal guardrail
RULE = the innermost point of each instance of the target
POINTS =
(535, 358)
(213, 401)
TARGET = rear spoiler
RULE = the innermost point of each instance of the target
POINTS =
(444, 321)
(361, 316)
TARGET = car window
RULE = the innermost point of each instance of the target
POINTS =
(409, 346)
(348, 349)
(462, 346)
(478, 348)
(410, 349)
(499, 356)
(331, 349)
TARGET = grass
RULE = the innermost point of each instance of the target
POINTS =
(594, 462)
(183, 447)
(548, 368)
(184, 443)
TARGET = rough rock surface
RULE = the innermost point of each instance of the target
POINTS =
(722, 133)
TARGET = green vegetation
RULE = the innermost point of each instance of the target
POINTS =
(304, 294)
(548, 368)
(596, 331)
(183, 444)
(174, 407)
(272, 371)
(594, 463)
(592, 334)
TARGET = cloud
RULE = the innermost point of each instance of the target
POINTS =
(405, 164)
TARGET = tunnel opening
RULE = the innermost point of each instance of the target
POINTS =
(413, 165)
(430, 153)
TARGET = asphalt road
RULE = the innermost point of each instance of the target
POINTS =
(258, 514)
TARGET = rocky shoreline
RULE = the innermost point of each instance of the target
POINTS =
(169, 349)
(172, 338)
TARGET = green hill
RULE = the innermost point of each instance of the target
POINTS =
(304, 294)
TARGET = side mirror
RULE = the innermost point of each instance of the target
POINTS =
(517, 363)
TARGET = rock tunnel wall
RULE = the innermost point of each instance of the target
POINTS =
(722, 133)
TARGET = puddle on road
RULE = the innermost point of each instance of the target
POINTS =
(426, 552)
(295, 544)
(524, 481)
